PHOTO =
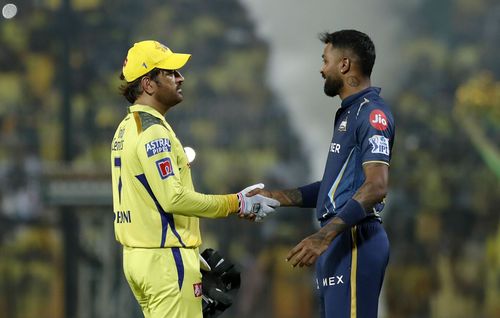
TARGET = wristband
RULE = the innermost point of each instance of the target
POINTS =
(241, 203)
(352, 212)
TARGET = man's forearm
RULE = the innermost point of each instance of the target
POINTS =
(332, 229)
(291, 197)
(370, 194)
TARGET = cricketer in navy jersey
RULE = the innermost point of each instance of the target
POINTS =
(363, 134)
(351, 249)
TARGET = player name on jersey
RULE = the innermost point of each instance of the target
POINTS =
(123, 217)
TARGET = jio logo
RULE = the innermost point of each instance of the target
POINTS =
(378, 119)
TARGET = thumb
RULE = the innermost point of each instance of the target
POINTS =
(253, 187)
(257, 186)
(254, 192)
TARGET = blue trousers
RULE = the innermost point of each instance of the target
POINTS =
(349, 274)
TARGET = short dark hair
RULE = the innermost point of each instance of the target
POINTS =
(358, 42)
(133, 90)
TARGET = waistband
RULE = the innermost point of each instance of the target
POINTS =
(131, 248)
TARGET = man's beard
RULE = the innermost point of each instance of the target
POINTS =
(333, 86)
(171, 99)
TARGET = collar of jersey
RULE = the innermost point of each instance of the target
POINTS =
(349, 100)
(147, 109)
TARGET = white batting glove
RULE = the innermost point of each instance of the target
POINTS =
(258, 204)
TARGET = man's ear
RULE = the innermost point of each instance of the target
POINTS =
(147, 85)
(345, 65)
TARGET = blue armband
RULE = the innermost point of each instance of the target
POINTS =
(310, 194)
(352, 212)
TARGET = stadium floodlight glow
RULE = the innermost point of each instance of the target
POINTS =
(9, 11)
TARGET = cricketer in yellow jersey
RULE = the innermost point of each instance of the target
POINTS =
(156, 208)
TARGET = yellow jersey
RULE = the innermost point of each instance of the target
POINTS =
(154, 201)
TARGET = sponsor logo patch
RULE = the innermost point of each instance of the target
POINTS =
(378, 120)
(330, 281)
(165, 168)
(158, 146)
(198, 291)
(380, 144)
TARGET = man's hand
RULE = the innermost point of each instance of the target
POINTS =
(255, 207)
(307, 252)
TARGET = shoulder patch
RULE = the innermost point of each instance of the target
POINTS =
(148, 120)
(378, 119)
(157, 146)
(380, 144)
(165, 168)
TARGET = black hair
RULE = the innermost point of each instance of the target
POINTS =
(358, 42)
(133, 90)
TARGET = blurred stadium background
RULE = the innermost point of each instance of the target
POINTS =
(254, 111)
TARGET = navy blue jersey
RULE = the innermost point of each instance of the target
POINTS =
(363, 132)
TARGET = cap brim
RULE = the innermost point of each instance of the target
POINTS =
(174, 62)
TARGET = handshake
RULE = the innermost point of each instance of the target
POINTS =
(255, 205)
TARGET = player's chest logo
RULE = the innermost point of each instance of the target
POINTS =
(343, 123)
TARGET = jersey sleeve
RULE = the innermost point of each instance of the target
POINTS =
(310, 194)
(375, 134)
(159, 160)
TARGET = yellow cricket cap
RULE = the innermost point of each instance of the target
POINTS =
(147, 55)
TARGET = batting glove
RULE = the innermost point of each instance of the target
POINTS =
(258, 204)
(204, 266)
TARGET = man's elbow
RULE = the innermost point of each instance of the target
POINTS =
(174, 202)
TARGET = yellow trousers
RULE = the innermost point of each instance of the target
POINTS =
(165, 281)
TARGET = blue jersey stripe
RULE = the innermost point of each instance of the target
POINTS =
(120, 189)
(118, 163)
(179, 265)
(166, 218)
(170, 219)
(164, 222)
